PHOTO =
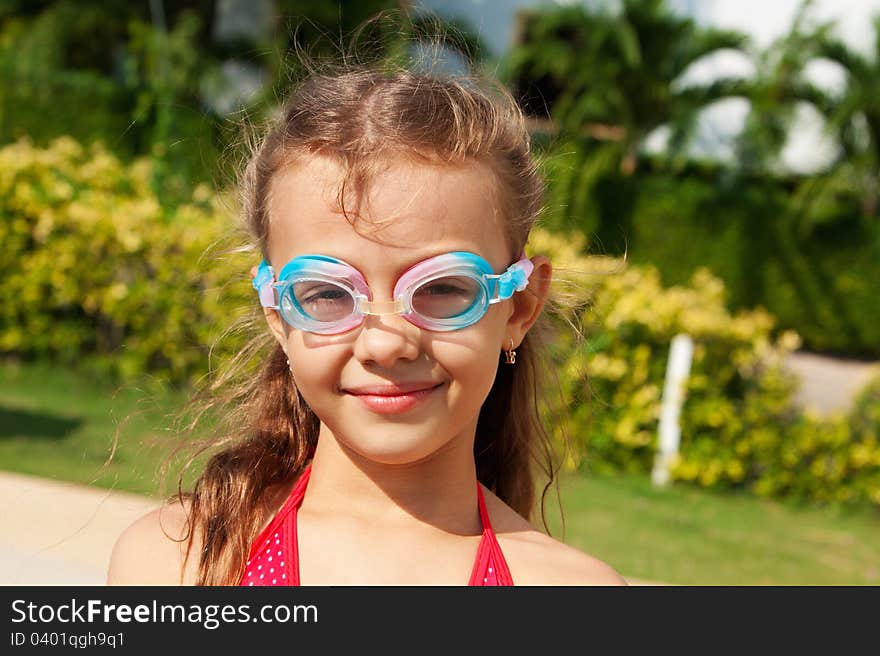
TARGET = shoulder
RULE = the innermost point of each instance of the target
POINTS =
(537, 559)
(152, 550)
(534, 558)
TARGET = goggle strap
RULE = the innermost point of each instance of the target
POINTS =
(264, 284)
(515, 279)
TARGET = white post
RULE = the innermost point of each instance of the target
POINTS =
(677, 371)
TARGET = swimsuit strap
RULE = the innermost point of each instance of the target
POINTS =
(299, 491)
(490, 567)
(276, 548)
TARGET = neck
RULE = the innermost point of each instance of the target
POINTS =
(439, 490)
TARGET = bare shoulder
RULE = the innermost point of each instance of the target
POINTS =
(152, 550)
(534, 558)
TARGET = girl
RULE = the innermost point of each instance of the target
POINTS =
(389, 437)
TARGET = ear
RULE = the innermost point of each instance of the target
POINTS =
(527, 304)
(276, 323)
(276, 326)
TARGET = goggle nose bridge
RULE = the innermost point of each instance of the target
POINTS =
(379, 308)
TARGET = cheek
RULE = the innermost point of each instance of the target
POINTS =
(471, 356)
(471, 361)
(466, 361)
(315, 369)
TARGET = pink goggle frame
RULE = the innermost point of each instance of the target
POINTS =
(324, 295)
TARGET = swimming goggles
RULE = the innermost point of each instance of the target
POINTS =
(320, 294)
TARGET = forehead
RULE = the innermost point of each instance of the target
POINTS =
(410, 210)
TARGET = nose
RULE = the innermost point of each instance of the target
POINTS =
(386, 339)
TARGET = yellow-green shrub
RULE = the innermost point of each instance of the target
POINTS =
(95, 271)
(739, 425)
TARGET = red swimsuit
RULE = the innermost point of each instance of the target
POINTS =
(274, 556)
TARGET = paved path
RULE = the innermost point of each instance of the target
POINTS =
(829, 384)
(60, 533)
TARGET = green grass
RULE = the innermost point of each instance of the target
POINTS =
(689, 536)
(61, 426)
(56, 424)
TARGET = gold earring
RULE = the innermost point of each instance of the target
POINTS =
(510, 354)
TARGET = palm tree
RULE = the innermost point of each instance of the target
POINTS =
(854, 117)
(815, 200)
(614, 76)
(775, 93)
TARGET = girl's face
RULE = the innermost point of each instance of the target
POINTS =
(388, 390)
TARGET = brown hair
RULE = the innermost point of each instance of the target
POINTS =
(360, 116)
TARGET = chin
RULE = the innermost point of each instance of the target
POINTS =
(395, 456)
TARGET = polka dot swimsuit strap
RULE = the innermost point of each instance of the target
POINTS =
(273, 559)
(274, 556)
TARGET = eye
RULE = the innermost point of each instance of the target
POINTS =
(447, 297)
(440, 288)
(323, 301)
(330, 294)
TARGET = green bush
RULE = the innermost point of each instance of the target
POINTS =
(95, 73)
(862, 452)
(820, 281)
(831, 459)
(97, 273)
(821, 284)
(739, 425)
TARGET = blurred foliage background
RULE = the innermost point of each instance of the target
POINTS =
(122, 127)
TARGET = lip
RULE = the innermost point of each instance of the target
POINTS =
(393, 399)
(393, 389)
